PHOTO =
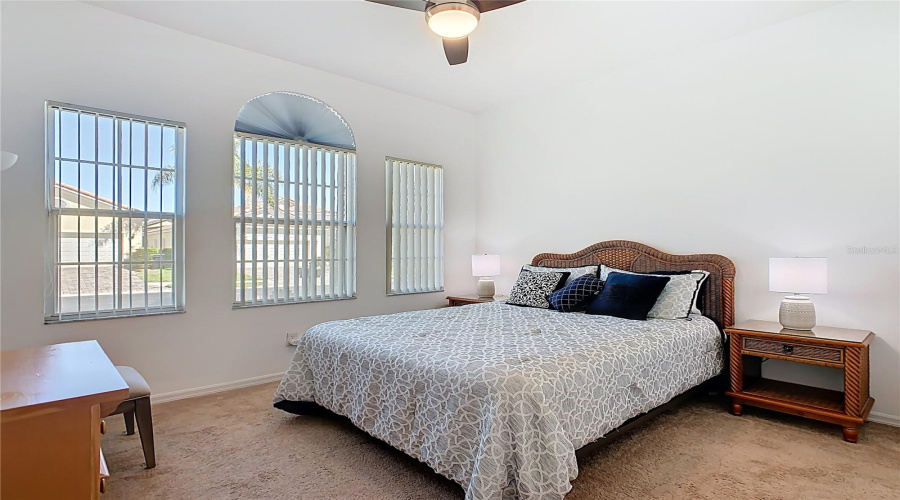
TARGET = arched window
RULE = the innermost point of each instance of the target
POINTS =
(294, 202)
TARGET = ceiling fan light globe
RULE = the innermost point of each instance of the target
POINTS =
(452, 19)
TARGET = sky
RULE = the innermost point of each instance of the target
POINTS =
(288, 175)
(145, 150)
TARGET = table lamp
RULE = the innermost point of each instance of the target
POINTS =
(485, 267)
(798, 275)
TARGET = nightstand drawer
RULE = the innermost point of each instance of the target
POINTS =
(776, 348)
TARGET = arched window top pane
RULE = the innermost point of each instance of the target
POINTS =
(296, 117)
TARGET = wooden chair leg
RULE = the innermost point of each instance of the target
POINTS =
(129, 423)
(145, 426)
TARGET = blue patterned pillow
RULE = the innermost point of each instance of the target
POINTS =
(577, 294)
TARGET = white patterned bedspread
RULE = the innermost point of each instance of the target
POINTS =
(499, 397)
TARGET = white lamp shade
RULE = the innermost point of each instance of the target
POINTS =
(485, 265)
(798, 274)
(7, 159)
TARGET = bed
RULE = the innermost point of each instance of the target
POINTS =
(500, 398)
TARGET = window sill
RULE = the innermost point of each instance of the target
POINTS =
(237, 305)
(402, 294)
(55, 320)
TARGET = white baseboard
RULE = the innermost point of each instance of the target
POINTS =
(212, 389)
(884, 418)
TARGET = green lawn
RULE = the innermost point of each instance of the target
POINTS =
(248, 279)
(165, 276)
(159, 275)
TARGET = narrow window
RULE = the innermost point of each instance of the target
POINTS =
(115, 199)
(415, 230)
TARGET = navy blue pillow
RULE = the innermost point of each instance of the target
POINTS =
(576, 295)
(628, 296)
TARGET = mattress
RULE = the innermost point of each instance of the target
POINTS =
(498, 397)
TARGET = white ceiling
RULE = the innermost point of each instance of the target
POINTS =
(514, 52)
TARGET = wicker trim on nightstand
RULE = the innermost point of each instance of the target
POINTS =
(781, 350)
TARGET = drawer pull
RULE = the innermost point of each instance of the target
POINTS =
(787, 349)
(102, 485)
(103, 427)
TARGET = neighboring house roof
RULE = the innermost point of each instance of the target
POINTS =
(110, 204)
(284, 205)
(164, 223)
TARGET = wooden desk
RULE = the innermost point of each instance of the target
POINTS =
(51, 401)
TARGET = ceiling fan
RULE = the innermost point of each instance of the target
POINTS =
(452, 20)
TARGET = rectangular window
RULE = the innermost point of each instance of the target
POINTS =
(294, 221)
(415, 229)
(115, 198)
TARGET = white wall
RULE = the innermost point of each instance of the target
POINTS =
(780, 142)
(77, 53)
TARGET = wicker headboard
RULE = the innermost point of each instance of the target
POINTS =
(717, 299)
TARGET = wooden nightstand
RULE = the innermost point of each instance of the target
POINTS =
(847, 350)
(462, 300)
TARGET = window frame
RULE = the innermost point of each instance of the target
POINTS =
(53, 241)
(439, 259)
(240, 295)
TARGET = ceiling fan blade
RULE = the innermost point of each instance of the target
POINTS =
(457, 50)
(419, 5)
(489, 5)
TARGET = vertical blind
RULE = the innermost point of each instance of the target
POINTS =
(415, 231)
(115, 191)
(295, 221)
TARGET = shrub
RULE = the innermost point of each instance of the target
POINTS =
(138, 254)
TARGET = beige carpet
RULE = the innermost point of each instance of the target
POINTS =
(235, 445)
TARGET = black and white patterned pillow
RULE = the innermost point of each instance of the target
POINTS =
(574, 272)
(576, 295)
(532, 288)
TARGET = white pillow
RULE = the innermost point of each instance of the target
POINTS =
(694, 308)
(678, 299)
(574, 272)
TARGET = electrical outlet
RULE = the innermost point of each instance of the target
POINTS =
(291, 339)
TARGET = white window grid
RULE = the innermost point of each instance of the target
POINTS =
(415, 226)
(295, 221)
(126, 289)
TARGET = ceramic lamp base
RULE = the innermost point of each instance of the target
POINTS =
(485, 287)
(797, 312)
